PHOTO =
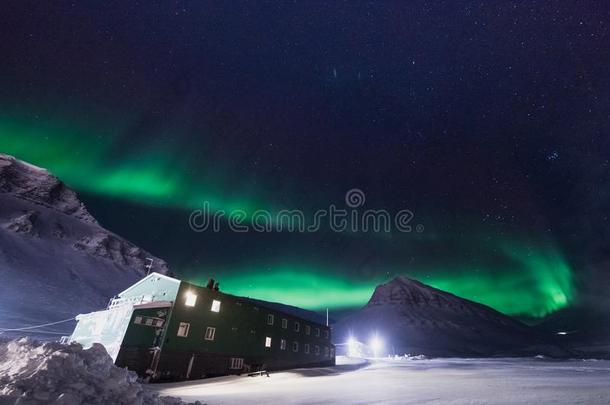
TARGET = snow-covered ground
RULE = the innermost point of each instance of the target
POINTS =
(437, 381)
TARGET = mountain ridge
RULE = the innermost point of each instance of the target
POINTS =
(414, 318)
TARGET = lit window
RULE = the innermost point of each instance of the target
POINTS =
(190, 299)
(283, 344)
(297, 326)
(149, 321)
(317, 332)
(209, 333)
(325, 351)
(183, 329)
(284, 323)
(317, 350)
(270, 319)
(295, 346)
(267, 341)
(306, 348)
(307, 329)
(237, 363)
(138, 319)
(326, 333)
(215, 306)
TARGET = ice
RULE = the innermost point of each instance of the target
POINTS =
(36, 373)
(403, 381)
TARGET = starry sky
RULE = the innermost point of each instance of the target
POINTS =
(488, 120)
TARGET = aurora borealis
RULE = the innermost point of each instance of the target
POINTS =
(496, 142)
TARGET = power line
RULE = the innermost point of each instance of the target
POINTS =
(36, 326)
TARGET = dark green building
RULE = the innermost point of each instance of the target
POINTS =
(173, 330)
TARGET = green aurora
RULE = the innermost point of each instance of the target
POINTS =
(149, 176)
(537, 281)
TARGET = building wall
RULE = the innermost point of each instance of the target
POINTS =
(241, 331)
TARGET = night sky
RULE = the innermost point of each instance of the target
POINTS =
(488, 120)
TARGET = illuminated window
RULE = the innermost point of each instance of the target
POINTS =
(307, 329)
(295, 346)
(237, 363)
(317, 350)
(183, 329)
(190, 299)
(317, 332)
(283, 344)
(306, 348)
(297, 326)
(215, 306)
(284, 323)
(267, 341)
(209, 333)
(149, 321)
(138, 320)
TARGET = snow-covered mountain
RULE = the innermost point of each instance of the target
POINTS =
(56, 260)
(411, 317)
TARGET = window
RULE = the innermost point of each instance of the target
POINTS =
(190, 299)
(307, 329)
(215, 306)
(317, 332)
(325, 351)
(209, 333)
(306, 348)
(237, 363)
(332, 352)
(297, 326)
(326, 333)
(183, 329)
(283, 344)
(270, 319)
(138, 320)
(159, 323)
(284, 323)
(317, 350)
(149, 321)
(267, 341)
(295, 346)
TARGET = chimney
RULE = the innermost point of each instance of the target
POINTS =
(216, 286)
(210, 283)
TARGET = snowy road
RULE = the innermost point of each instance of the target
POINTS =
(443, 381)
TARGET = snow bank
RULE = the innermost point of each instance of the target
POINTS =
(35, 373)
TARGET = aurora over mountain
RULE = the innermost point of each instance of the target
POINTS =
(175, 106)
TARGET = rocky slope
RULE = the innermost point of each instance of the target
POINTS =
(56, 260)
(413, 318)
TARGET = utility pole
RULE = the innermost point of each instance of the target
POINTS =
(148, 265)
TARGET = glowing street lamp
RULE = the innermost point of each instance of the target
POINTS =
(352, 347)
(376, 344)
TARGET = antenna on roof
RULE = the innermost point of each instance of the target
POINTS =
(326, 316)
(148, 265)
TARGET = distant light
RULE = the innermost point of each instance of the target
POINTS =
(562, 333)
(191, 299)
(376, 344)
(352, 347)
